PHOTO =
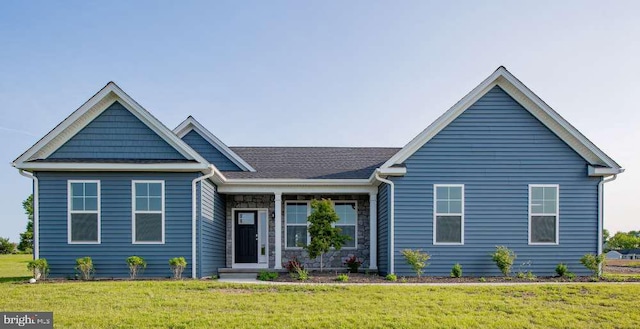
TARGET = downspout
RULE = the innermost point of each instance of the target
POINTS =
(36, 213)
(601, 213)
(194, 218)
(391, 220)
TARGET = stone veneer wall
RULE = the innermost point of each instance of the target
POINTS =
(333, 259)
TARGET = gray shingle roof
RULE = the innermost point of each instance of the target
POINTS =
(311, 162)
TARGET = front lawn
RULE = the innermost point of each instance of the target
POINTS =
(210, 304)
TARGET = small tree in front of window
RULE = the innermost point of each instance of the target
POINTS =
(324, 235)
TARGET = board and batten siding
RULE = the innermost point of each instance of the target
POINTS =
(383, 229)
(496, 149)
(211, 230)
(116, 134)
(209, 152)
(116, 224)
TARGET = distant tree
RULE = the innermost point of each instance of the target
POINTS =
(6, 246)
(26, 238)
(605, 236)
(324, 235)
(623, 240)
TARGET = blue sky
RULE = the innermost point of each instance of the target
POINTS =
(336, 73)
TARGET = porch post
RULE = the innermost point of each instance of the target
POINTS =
(373, 231)
(278, 229)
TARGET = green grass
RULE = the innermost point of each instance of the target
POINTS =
(211, 304)
(14, 267)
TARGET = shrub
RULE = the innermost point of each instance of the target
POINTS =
(417, 259)
(85, 266)
(456, 271)
(6, 246)
(292, 264)
(391, 277)
(592, 263)
(562, 269)
(482, 279)
(298, 272)
(342, 277)
(504, 257)
(353, 264)
(571, 276)
(177, 265)
(39, 267)
(267, 276)
(403, 280)
(135, 263)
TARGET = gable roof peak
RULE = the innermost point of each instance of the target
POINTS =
(191, 124)
(502, 78)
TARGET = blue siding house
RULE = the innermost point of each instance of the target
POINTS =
(498, 168)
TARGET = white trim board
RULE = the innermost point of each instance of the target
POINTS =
(190, 123)
(530, 101)
(84, 115)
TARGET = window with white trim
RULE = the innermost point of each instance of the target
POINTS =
(543, 214)
(296, 222)
(148, 211)
(84, 212)
(348, 213)
(448, 214)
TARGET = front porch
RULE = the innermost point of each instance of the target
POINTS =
(264, 231)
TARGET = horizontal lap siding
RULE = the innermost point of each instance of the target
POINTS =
(496, 149)
(116, 220)
(209, 152)
(383, 229)
(213, 253)
(116, 134)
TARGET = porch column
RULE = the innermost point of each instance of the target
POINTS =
(278, 229)
(373, 231)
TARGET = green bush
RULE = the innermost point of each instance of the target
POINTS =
(403, 280)
(417, 259)
(482, 279)
(267, 276)
(391, 277)
(136, 264)
(85, 266)
(298, 272)
(6, 246)
(562, 269)
(504, 257)
(177, 265)
(571, 276)
(592, 263)
(342, 277)
(456, 271)
(39, 267)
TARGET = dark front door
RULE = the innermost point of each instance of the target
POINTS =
(246, 237)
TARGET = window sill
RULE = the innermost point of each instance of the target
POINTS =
(83, 242)
(148, 242)
(448, 243)
(544, 243)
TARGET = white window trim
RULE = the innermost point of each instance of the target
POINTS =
(134, 212)
(70, 211)
(355, 202)
(286, 247)
(557, 214)
(435, 215)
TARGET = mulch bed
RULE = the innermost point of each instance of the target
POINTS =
(330, 277)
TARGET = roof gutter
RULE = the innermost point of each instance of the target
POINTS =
(601, 213)
(194, 217)
(36, 212)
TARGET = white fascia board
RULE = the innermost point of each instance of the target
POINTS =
(601, 171)
(300, 182)
(65, 166)
(84, 115)
(530, 101)
(296, 189)
(192, 124)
